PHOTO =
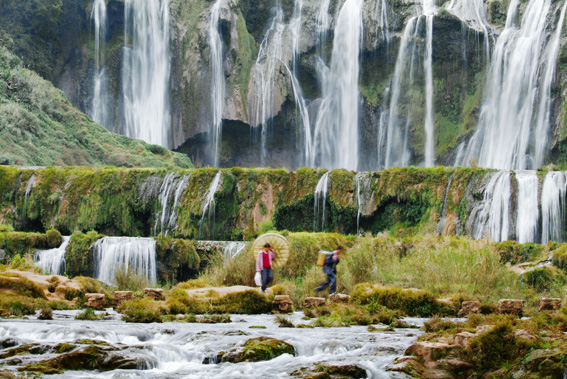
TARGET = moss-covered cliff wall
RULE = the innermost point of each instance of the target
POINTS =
(117, 201)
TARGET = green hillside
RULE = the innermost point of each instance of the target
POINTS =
(40, 127)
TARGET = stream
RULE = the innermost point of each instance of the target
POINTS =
(179, 349)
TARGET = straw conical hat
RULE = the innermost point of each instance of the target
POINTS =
(278, 243)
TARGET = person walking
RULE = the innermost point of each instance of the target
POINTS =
(264, 265)
(330, 268)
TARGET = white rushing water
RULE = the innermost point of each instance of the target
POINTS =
(492, 218)
(320, 199)
(473, 13)
(100, 104)
(218, 81)
(132, 255)
(553, 202)
(233, 249)
(516, 105)
(171, 188)
(146, 71)
(393, 136)
(29, 186)
(180, 350)
(527, 215)
(209, 207)
(52, 262)
(336, 129)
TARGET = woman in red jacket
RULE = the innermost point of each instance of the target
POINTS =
(264, 265)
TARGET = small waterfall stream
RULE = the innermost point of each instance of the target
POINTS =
(208, 216)
(320, 199)
(100, 104)
(492, 219)
(553, 202)
(171, 188)
(528, 212)
(52, 262)
(146, 71)
(218, 84)
(132, 255)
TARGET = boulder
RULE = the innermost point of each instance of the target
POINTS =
(283, 303)
(463, 339)
(120, 296)
(469, 307)
(430, 351)
(95, 301)
(312, 302)
(155, 293)
(339, 298)
(257, 349)
(511, 306)
(549, 304)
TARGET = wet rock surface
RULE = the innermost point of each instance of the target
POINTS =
(95, 301)
(257, 349)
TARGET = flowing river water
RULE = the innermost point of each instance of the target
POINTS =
(179, 350)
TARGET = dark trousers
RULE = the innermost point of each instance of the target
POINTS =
(332, 280)
(267, 277)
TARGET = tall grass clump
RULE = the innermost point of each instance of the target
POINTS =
(128, 280)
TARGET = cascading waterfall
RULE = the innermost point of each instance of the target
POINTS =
(518, 92)
(135, 256)
(209, 206)
(270, 57)
(383, 27)
(100, 101)
(29, 186)
(218, 81)
(146, 71)
(166, 219)
(393, 144)
(492, 219)
(473, 13)
(320, 197)
(528, 213)
(336, 129)
(52, 262)
(553, 202)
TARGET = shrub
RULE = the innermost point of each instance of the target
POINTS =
(22, 286)
(247, 302)
(144, 310)
(128, 280)
(53, 238)
(46, 314)
(193, 283)
(88, 314)
(544, 278)
(437, 324)
(412, 302)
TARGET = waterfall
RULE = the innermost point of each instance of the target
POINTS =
(553, 201)
(396, 151)
(381, 14)
(262, 81)
(218, 81)
(233, 249)
(492, 219)
(320, 197)
(29, 186)
(135, 256)
(528, 214)
(323, 22)
(166, 219)
(209, 205)
(146, 71)
(100, 100)
(473, 13)
(52, 262)
(337, 122)
(518, 91)
(359, 203)
(443, 220)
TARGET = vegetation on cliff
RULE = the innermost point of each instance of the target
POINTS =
(39, 127)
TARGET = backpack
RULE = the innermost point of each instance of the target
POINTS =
(322, 256)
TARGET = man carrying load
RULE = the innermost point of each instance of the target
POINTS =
(330, 268)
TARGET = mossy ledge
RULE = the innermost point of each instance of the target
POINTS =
(120, 201)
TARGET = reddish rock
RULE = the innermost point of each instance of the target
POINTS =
(463, 339)
(155, 293)
(549, 304)
(283, 303)
(511, 306)
(339, 298)
(120, 296)
(312, 302)
(469, 307)
(95, 301)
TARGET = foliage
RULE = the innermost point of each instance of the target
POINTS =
(128, 280)
(144, 310)
(22, 286)
(338, 314)
(89, 314)
(78, 253)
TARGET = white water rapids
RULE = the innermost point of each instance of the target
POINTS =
(177, 350)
